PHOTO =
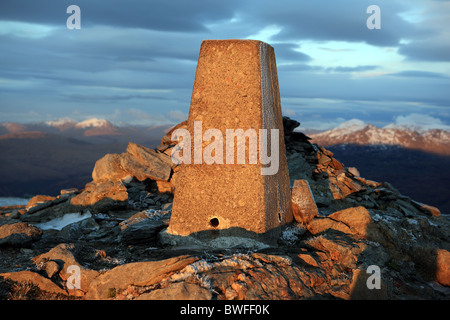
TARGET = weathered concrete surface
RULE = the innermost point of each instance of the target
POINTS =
(139, 273)
(236, 87)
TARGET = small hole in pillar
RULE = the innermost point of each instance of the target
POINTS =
(214, 222)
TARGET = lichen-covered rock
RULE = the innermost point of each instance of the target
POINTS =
(61, 261)
(178, 291)
(20, 234)
(139, 274)
(101, 196)
(43, 283)
(304, 207)
(139, 162)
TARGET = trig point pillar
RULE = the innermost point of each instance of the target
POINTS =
(219, 192)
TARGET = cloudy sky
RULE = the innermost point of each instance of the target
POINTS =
(133, 62)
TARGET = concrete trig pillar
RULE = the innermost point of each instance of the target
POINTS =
(236, 87)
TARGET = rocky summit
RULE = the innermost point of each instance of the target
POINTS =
(352, 238)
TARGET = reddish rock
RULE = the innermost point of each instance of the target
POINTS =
(63, 256)
(443, 267)
(336, 164)
(308, 259)
(20, 234)
(101, 194)
(427, 208)
(165, 186)
(144, 163)
(108, 168)
(138, 273)
(28, 276)
(39, 199)
(354, 171)
(322, 224)
(368, 182)
(352, 221)
(167, 141)
(304, 207)
(139, 162)
(69, 191)
(357, 219)
(323, 159)
(341, 185)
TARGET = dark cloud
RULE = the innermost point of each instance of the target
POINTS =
(174, 15)
(141, 55)
(114, 98)
(296, 67)
(418, 74)
(353, 69)
(121, 60)
(343, 20)
(286, 51)
(437, 50)
(380, 89)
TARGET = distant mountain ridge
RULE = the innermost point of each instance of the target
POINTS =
(45, 157)
(357, 132)
(414, 159)
(91, 130)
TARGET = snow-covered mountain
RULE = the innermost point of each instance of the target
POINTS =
(91, 130)
(67, 123)
(62, 123)
(358, 132)
(93, 123)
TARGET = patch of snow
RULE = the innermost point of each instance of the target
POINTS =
(198, 266)
(386, 218)
(65, 220)
(291, 233)
(92, 123)
(193, 269)
(237, 261)
(439, 287)
(432, 224)
(102, 216)
(154, 214)
(389, 220)
(352, 125)
(61, 122)
(410, 234)
(344, 129)
(382, 136)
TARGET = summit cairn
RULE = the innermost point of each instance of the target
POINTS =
(233, 178)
